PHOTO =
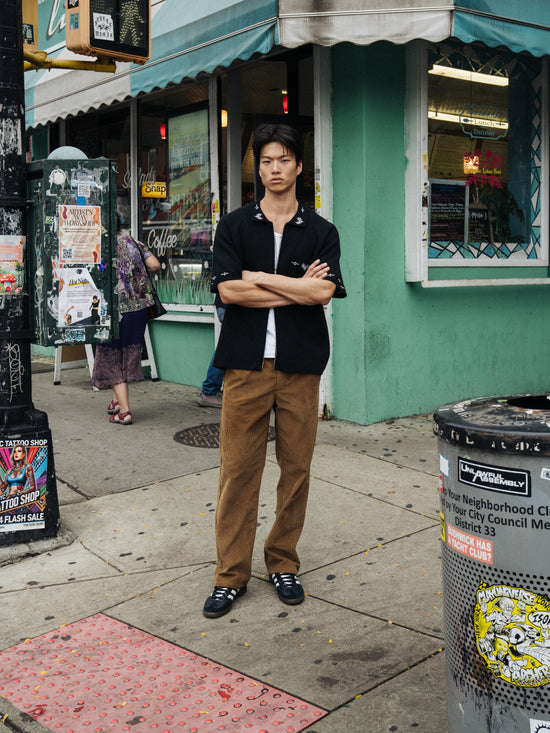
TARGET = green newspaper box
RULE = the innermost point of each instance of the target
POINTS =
(72, 246)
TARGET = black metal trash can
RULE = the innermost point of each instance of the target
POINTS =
(495, 528)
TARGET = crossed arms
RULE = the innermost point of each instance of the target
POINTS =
(264, 290)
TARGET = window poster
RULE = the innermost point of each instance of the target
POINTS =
(23, 484)
(189, 175)
(448, 206)
(79, 234)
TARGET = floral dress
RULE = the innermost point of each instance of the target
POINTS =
(133, 289)
(120, 360)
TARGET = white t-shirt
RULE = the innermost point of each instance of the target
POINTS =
(271, 337)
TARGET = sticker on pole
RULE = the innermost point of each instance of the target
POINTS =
(512, 630)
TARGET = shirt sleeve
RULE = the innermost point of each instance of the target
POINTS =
(227, 264)
(329, 252)
(144, 248)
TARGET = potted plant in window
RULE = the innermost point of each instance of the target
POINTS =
(501, 205)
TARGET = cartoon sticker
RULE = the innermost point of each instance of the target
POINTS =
(540, 726)
(512, 630)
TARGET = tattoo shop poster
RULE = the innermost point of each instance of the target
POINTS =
(79, 235)
(23, 483)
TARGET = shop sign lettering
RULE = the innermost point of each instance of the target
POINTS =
(480, 121)
(161, 240)
(143, 178)
(154, 189)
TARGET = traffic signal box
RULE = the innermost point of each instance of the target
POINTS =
(117, 29)
(30, 25)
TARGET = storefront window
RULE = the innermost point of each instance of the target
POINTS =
(105, 135)
(484, 157)
(279, 89)
(175, 193)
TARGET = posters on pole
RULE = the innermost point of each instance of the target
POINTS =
(79, 299)
(23, 484)
(79, 235)
(12, 250)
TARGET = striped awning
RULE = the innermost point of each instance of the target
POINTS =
(191, 37)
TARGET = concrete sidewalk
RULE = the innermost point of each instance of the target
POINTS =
(137, 544)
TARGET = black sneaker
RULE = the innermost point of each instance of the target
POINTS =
(220, 600)
(288, 588)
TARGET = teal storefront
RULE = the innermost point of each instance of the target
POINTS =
(426, 128)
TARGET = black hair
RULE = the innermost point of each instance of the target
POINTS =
(287, 136)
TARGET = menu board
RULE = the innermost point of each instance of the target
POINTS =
(448, 211)
(478, 225)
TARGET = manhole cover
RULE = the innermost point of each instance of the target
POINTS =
(206, 436)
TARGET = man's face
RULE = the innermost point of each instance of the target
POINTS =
(278, 168)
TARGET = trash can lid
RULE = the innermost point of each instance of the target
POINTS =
(514, 424)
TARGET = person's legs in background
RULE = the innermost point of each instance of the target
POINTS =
(211, 390)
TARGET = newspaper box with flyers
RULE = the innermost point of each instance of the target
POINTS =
(72, 248)
(494, 484)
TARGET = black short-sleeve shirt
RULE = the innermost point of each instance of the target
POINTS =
(245, 241)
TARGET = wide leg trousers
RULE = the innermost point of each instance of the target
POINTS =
(248, 398)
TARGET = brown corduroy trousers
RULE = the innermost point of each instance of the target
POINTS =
(248, 398)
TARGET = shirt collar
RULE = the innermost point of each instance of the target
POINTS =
(299, 219)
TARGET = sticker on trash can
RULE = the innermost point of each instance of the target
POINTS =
(494, 478)
(512, 630)
(467, 544)
(540, 726)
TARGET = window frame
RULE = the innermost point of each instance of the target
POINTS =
(418, 266)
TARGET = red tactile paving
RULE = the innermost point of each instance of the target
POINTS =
(102, 675)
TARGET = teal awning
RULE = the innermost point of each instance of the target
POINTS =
(212, 35)
(520, 25)
(188, 37)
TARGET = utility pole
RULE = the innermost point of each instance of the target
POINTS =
(28, 492)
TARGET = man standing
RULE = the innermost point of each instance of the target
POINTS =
(276, 263)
